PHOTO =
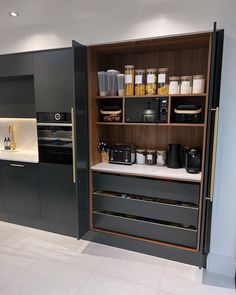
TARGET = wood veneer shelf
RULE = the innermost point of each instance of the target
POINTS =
(152, 171)
(151, 96)
(152, 124)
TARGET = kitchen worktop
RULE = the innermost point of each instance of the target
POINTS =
(19, 156)
(153, 171)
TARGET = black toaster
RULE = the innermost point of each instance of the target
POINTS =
(122, 154)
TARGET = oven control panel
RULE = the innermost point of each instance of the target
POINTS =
(54, 117)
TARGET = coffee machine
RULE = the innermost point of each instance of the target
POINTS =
(193, 161)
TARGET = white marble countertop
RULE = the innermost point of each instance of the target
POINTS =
(19, 156)
(153, 171)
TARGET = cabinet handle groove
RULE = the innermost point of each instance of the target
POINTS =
(73, 144)
(213, 166)
(17, 165)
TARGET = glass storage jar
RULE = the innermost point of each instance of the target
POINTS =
(129, 80)
(186, 85)
(162, 80)
(198, 83)
(161, 158)
(151, 86)
(150, 157)
(174, 85)
(140, 156)
(140, 82)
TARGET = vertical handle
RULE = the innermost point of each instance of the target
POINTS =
(213, 165)
(73, 144)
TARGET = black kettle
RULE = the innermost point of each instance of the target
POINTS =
(174, 160)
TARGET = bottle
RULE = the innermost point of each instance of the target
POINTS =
(5, 143)
(8, 144)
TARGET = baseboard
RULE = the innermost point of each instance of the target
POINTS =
(223, 265)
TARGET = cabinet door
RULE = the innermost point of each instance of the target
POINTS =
(20, 186)
(57, 194)
(1, 191)
(53, 80)
(20, 64)
(17, 97)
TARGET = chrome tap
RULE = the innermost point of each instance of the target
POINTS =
(11, 130)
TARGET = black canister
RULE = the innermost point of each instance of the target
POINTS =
(174, 156)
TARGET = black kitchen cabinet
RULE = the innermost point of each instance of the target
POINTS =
(58, 197)
(53, 80)
(20, 64)
(1, 193)
(20, 189)
(17, 97)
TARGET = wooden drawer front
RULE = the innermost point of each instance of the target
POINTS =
(154, 210)
(178, 191)
(144, 229)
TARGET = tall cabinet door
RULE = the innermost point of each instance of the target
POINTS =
(211, 136)
(53, 80)
(81, 135)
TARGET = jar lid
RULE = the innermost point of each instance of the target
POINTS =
(174, 78)
(129, 67)
(163, 69)
(186, 77)
(151, 151)
(140, 71)
(140, 151)
(151, 70)
(199, 77)
(120, 75)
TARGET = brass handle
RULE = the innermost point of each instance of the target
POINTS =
(73, 144)
(213, 165)
(17, 165)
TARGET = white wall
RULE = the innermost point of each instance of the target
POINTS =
(156, 18)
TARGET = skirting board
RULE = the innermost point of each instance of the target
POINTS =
(223, 265)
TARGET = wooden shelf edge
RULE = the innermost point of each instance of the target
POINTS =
(152, 96)
(201, 125)
(144, 239)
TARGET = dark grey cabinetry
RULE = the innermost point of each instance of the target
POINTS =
(12, 65)
(57, 196)
(20, 189)
(53, 80)
(1, 193)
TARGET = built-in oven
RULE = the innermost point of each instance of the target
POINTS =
(55, 138)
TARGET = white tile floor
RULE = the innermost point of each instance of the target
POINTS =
(34, 262)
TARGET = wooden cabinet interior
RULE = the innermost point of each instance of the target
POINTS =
(183, 55)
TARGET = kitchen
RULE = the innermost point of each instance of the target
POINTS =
(126, 166)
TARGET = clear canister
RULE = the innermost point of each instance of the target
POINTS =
(186, 85)
(140, 156)
(102, 83)
(174, 85)
(151, 86)
(140, 82)
(129, 80)
(162, 81)
(161, 158)
(121, 84)
(151, 157)
(198, 83)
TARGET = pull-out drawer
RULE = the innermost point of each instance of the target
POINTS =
(171, 190)
(145, 229)
(149, 209)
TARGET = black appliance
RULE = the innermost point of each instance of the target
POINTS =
(187, 114)
(145, 109)
(173, 156)
(193, 161)
(55, 138)
(122, 154)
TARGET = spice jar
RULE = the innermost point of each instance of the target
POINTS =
(198, 83)
(140, 82)
(174, 85)
(162, 81)
(161, 158)
(151, 86)
(129, 80)
(140, 156)
(151, 157)
(186, 85)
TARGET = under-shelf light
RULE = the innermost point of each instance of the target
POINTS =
(13, 13)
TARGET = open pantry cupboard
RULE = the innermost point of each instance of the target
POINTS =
(164, 208)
